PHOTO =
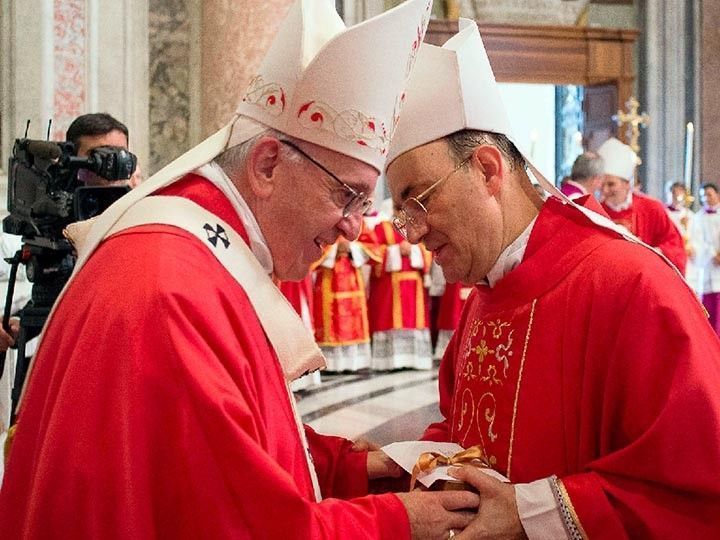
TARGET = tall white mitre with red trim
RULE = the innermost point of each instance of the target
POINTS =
(452, 88)
(340, 88)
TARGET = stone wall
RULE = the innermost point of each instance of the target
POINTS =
(170, 74)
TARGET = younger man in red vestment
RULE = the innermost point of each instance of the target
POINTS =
(583, 366)
(640, 214)
(159, 407)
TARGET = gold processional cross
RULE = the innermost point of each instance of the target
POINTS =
(633, 122)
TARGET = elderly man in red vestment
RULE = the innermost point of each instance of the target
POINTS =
(159, 407)
(586, 176)
(641, 214)
(583, 366)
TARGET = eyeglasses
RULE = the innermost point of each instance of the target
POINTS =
(413, 213)
(357, 201)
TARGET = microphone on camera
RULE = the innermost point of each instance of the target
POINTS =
(44, 149)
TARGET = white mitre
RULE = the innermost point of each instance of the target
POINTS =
(619, 159)
(341, 88)
(453, 88)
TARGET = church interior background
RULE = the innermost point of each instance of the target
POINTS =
(173, 70)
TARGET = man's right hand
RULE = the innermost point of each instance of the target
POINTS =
(433, 514)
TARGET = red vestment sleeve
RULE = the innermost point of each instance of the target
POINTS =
(342, 472)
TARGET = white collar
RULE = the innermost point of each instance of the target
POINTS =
(510, 257)
(627, 203)
(214, 173)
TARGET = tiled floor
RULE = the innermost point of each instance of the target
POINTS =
(380, 407)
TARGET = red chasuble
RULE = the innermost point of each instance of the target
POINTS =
(398, 300)
(648, 220)
(340, 301)
(451, 305)
(158, 409)
(592, 361)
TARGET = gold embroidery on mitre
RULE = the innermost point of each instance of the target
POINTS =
(350, 125)
(268, 96)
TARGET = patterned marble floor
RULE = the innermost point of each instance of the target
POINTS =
(381, 407)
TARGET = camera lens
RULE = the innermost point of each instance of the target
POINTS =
(89, 207)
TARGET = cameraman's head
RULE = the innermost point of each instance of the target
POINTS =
(90, 131)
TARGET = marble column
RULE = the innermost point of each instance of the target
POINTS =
(708, 99)
(174, 72)
(665, 75)
(235, 36)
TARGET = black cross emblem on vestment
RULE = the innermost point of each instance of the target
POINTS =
(214, 233)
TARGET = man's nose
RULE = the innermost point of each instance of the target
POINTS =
(350, 226)
(416, 232)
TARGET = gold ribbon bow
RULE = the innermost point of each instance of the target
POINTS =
(429, 461)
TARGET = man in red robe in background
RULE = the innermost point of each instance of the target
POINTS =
(640, 214)
(399, 303)
(584, 366)
(452, 303)
(159, 407)
(341, 311)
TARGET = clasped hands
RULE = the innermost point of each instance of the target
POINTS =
(491, 513)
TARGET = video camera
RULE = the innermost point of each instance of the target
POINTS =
(45, 195)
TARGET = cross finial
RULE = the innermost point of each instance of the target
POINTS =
(633, 122)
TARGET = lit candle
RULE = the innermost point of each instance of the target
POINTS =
(689, 139)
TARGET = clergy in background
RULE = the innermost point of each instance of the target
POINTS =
(341, 311)
(586, 176)
(642, 215)
(708, 227)
(684, 219)
(584, 367)
(399, 303)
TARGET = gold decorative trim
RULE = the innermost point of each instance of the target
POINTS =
(327, 300)
(517, 389)
(396, 278)
(567, 505)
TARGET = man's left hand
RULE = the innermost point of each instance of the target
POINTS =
(497, 516)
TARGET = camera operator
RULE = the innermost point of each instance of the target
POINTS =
(87, 133)
(90, 131)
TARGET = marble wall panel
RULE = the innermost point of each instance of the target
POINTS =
(170, 72)
(709, 102)
(70, 56)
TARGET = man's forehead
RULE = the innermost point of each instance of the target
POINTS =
(111, 138)
(415, 169)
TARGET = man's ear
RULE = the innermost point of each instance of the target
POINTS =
(490, 161)
(261, 166)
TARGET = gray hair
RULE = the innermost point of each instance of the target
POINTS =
(463, 142)
(234, 158)
(586, 166)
